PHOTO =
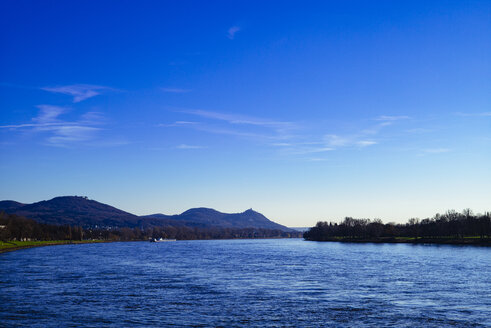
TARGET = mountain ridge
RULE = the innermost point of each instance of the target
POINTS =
(202, 217)
(82, 211)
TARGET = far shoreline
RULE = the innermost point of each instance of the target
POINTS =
(78, 242)
(420, 241)
(486, 242)
(53, 243)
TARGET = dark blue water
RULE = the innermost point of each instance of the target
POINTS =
(249, 283)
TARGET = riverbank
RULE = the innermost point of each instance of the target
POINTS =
(411, 240)
(10, 246)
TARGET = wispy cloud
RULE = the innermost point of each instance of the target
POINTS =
(239, 119)
(419, 130)
(61, 132)
(482, 114)
(185, 146)
(281, 144)
(264, 130)
(302, 150)
(328, 143)
(317, 159)
(336, 141)
(288, 138)
(436, 150)
(93, 118)
(391, 118)
(178, 123)
(333, 140)
(232, 31)
(238, 133)
(365, 143)
(384, 121)
(67, 134)
(47, 117)
(49, 113)
(175, 90)
(79, 92)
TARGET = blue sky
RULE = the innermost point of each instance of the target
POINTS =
(304, 111)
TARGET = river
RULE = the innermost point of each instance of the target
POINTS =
(246, 283)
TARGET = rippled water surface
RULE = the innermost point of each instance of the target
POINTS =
(249, 283)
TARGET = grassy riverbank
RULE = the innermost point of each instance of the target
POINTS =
(8, 246)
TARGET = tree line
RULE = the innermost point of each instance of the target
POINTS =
(14, 227)
(451, 224)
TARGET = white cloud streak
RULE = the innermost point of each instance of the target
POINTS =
(385, 121)
(482, 114)
(185, 146)
(67, 134)
(175, 90)
(60, 132)
(232, 31)
(178, 123)
(79, 92)
(277, 134)
(392, 118)
(49, 113)
(239, 119)
(336, 141)
(333, 140)
(365, 143)
(260, 129)
(419, 130)
(436, 150)
(236, 133)
(310, 150)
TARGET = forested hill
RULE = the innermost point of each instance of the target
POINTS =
(207, 217)
(81, 211)
(10, 205)
(72, 210)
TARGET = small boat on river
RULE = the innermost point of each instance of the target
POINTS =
(155, 240)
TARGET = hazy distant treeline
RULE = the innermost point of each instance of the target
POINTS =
(187, 233)
(452, 224)
(14, 227)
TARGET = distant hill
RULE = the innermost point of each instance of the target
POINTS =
(72, 210)
(81, 211)
(207, 217)
(300, 229)
(9, 205)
